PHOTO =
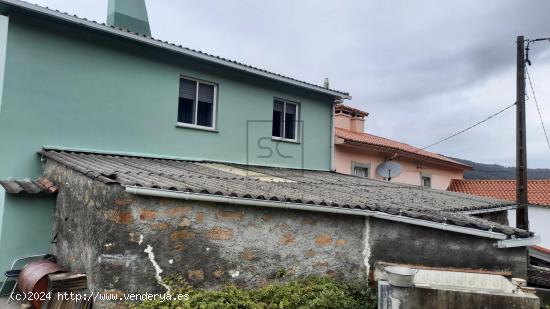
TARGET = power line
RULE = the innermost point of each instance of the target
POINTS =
(538, 108)
(468, 128)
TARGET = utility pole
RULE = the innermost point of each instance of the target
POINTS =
(522, 213)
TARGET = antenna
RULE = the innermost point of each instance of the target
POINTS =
(389, 169)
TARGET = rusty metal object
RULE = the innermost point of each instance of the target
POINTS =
(34, 279)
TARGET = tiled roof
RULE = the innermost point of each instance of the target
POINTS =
(74, 19)
(539, 276)
(350, 110)
(41, 185)
(540, 253)
(318, 188)
(538, 190)
(395, 146)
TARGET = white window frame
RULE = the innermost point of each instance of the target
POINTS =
(296, 122)
(196, 107)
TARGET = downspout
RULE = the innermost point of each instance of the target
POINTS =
(332, 132)
(314, 208)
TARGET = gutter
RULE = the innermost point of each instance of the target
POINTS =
(317, 208)
(167, 46)
(487, 210)
(519, 242)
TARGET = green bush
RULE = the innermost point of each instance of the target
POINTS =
(310, 292)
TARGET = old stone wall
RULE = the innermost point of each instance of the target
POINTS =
(126, 242)
(106, 232)
(396, 242)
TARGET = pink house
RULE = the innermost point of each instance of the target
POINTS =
(359, 153)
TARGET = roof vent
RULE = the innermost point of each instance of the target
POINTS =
(130, 15)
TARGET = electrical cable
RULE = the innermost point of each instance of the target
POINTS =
(538, 108)
(467, 129)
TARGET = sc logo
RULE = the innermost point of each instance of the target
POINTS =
(263, 143)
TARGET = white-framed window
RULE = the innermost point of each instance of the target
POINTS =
(360, 169)
(426, 180)
(197, 103)
(285, 120)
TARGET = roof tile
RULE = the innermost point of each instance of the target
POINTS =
(538, 190)
(391, 145)
(324, 189)
(41, 185)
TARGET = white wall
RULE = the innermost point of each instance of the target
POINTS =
(539, 222)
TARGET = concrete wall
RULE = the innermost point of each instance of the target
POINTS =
(441, 176)
(68, 87)
(104, 231)
(538, 223)
(392, 297)
(395, 242)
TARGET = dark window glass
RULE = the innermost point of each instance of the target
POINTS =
(290, 121)
(278, 110)
(205, 108)
(186, 108)
(426, 182)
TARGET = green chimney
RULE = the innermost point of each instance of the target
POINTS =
(129, 14)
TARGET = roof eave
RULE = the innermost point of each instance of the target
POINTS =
(407, 154)
(56, 15)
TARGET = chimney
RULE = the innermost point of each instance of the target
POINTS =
(130, 15)
(350, 118)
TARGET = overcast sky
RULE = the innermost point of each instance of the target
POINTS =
(422, 69)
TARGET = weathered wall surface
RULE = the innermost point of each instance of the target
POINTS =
(396, 242)
(105, 232)
(497, 216)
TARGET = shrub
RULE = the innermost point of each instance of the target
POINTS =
(309, 292)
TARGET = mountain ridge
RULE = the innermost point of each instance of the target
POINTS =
(496, 171)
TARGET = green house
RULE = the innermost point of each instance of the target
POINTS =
(71, 83)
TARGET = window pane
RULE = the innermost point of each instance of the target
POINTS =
(186, 110)
(278, 110)
(205, 109)
(361, 172)
(290, 121)
(186, 106)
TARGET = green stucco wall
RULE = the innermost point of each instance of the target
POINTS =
(72, 88)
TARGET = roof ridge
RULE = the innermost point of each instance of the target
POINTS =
(389, 139)
(417, 150)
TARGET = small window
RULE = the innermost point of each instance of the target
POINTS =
(360, 169)
(197, 103)
(426, 181)
(285, 119)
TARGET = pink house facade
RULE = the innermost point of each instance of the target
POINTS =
(359, 153)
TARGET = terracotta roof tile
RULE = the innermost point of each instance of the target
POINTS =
(538, 190)
(391, 145)
(351, 110)
(41, 185)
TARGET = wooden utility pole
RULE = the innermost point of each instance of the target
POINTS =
(522, 213)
